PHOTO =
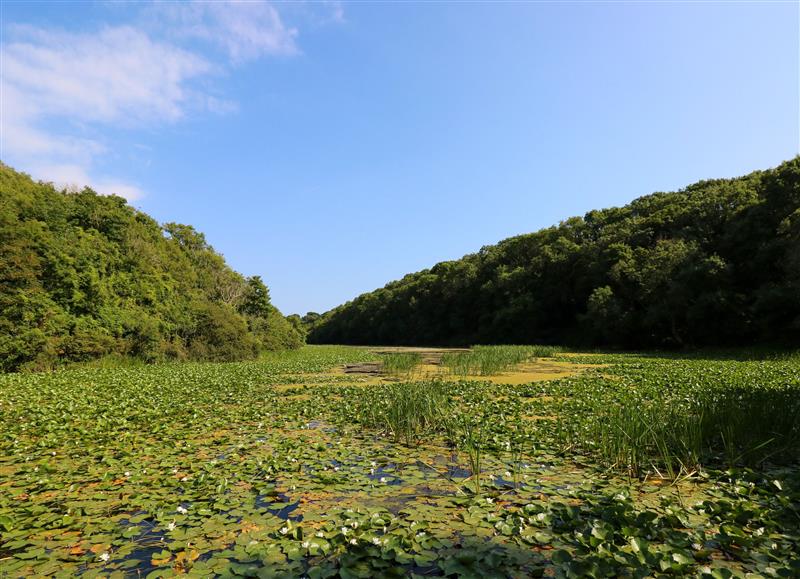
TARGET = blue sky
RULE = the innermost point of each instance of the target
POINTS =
(332, 147)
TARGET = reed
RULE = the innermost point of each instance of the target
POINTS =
(473, 441)
(408, 411)
(400, 363)
(682, 428)
(492, 360)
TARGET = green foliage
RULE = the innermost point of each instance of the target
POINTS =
(85, 276)
(491, 360)
(676, 416)
(400, 363)
(281, 468)
(409, 411)
(717, 263)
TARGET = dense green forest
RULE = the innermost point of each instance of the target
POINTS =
(717, 263)
(85, 276)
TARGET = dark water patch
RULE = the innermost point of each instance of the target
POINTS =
(149, 541)
(144, 558)
(455, 471)
(320, 425)
(279, 505)
(426, 469)
(502, 482)
(385, 474)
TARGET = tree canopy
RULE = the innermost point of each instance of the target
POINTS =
(84, 276)
(717, 263)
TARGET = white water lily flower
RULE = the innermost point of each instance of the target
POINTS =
(507, 474)
(383, 479)
(182, 510)
(376, 541)
(354, 524)
(284, 530)
(127, 473)
(758, 532)
(105, 556)
(171, 526)
(353, 542)
(373, 464)
(306, 544)
(319, 534)
(372, 471)
(345, 530)
(489, 500)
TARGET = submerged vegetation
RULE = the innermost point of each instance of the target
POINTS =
(86, 277)
(639, 465)
(713, 264)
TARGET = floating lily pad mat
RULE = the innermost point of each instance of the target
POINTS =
(289, 467)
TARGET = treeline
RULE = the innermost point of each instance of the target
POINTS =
(717, 263)
(85, 276)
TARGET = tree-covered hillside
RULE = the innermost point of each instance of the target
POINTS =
(84, 276)
(714, 264)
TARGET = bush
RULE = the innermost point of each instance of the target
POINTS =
(220, 335)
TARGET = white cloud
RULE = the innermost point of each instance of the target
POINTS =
(118, 75)
(245, 30)
(75, 178)
(61, 91)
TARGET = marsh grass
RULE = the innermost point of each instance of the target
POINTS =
(492, 360)
(409, 411)
(473, 441)
(673, 434)
(400, 363)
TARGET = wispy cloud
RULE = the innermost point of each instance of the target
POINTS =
(114, 75)
(244, 30)
(62, 90)
(74, 177)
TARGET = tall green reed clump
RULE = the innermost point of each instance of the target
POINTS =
(729, 413)
(408, 411)
(472, 439)
(490, 360)
(400, 363)
(751, 424)
(640, 435)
